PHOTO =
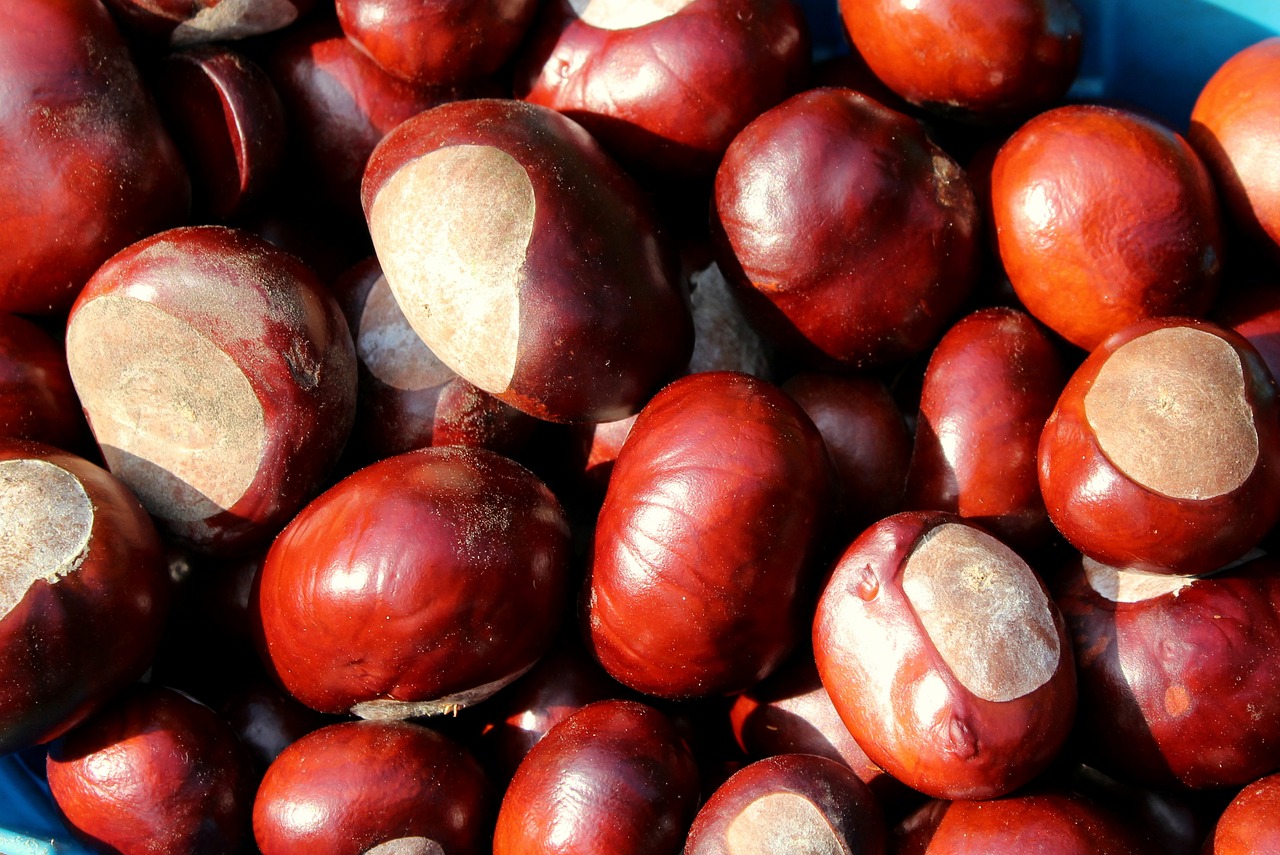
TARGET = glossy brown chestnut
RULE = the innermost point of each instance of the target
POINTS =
(1233, 127)
(665, 85)
(37, 400)
(986, 60)
(787, 804)
(373, 788)
(1104, 218)
(87, 166)
(991, 384)
(83, 591)
(1177, 680)
(613, 777)
(420, 584)
(219, 380)
(189, 22)
(1047, 823)
(870, 270)
(704, 549)
(945, 657)
(1251, 823)
(434, 42)
(153, 773)
(1163, 452)
(507, 220)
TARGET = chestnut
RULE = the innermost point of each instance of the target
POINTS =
(506, 220)
(88, 168)
(219, 380)
(613, 777)
(420, 584)
(991, 384)
(723, 337)
(1104, 218)
(154, 772)
(37, 400)
(373, 787)
(945, 657)
(189, 22)
(1163, 451)
(665, 85)
(867, 272)
(1251, 822)
(705, 546)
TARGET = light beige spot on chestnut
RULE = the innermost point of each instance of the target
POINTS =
(391, 350)
(782, 824)
(407, 846)
(1177, 700)
(1131, 586)
(234, 19)
(625, 14)
(46, 519)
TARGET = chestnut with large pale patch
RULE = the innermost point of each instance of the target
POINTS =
(46, 518)
(234, 19)
(390, 348)
(625, 14)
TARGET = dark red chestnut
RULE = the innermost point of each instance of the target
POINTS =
(665, 85)
(267, 720)
(420, 584)
(505, 220)
(945, 657)
(155, 772)
(1163, 452)
(219, 379)
(373, 787)
(37, 400)
(870, 270)
(190, 22)
(87, 168)
(613, 777)
(704, 548)
(1105, 218)
(1251, 823)
(83, 591)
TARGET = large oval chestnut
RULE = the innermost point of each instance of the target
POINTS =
(1163, 451)
(945, 657)
(704, 547)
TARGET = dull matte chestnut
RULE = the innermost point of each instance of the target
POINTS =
(872, 269)
(87, 167)
(219, 380)
(1251, 823)
(373, 788)
(613, 777)
(700, 584)
(182, 23)
(991, 384)
(435, 42)
(154, 773)
(665, 85)
(1105, 218)
(945, 657)
(1233, 127)
(83, 591)
(37, 400)
(420, 584)
(991, 61)
(508, 221)
(1177, 681)
(1163, 451)
(788, 804)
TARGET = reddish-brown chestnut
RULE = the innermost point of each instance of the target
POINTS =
(37, 400)
(945, 657)
(1163, 452)
(702, 576)
(1251, 823)
(613, 777)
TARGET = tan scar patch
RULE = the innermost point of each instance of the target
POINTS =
(46, 519)
(625, 14)
(391, 350)
(782, 824)
(234, 19)
(1131, 586)
(407, 846)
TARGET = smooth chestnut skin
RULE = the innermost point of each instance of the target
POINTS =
(228, 122)
(1233, 127)
(1208, 504)
(1251, 823)
(1173, 822)
(613, 777)
(222, 461)
(1047, 822)
(152, 774)
(1104, 218)
(408, 398)
(182, 23)
(870, 270)
(988, 61)
(701, 582)
(420, 584)
(1177, 679)
(88, 168)
(991, 384)
(787, 804)
(373, 786)
(68, 645)
(267, 720)
(945, 657)
(37, 400)
(507, 219)
(435, 42)
(665, 86)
